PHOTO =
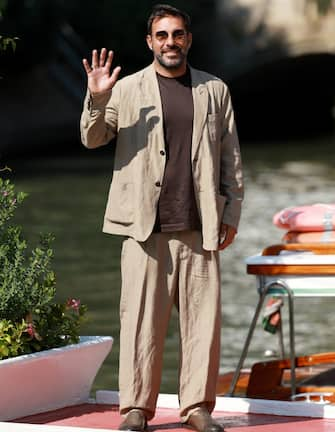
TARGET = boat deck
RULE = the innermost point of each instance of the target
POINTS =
(93, 417)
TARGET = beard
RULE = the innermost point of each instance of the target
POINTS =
(174, 62)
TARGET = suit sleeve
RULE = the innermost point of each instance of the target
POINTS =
(231, 181)
(99, 119)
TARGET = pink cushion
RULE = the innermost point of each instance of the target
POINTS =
(315, 217)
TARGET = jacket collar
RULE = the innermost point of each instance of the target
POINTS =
(200, 102)
(151, 97)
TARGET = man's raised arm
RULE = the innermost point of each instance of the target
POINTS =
(100, 82)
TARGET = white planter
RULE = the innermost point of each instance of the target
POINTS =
(50, 379)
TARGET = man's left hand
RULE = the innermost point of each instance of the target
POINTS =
(227, 235)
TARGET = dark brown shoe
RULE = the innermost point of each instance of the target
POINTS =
(135, 420)
(202, 421)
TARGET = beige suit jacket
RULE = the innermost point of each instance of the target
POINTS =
(132, 111)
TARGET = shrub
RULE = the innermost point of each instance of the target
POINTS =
(30, 319)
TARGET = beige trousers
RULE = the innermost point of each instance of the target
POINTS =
(168, 269)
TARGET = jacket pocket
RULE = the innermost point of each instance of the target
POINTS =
(120, 207)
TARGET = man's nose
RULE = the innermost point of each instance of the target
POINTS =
(170, 40)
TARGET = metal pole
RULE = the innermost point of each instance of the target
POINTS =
(263, 293)
(290, 297)
(281, 339)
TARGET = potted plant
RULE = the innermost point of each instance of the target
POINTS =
(30, 319)
(40, 343)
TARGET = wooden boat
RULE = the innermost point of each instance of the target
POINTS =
(292, 270)
(271, 380)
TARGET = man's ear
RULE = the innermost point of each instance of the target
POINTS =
(149, 41)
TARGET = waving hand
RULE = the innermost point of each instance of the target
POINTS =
(99, 77)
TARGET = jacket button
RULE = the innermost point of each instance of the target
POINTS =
(162, 152)
(157, 183)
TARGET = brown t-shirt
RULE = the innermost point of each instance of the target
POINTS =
(177, 210)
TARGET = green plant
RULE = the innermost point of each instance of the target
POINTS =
(30, 319)
(26, 282)
(58, 324)
(14, 339)
(6, 42)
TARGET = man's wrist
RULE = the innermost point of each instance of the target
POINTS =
(99, 100)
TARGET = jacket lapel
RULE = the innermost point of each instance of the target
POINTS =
(150, 97)
(200, 101)
(151, 100)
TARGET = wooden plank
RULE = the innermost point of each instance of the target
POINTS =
(317, 248)
(224, 381)
(266, 378)
(300, 269)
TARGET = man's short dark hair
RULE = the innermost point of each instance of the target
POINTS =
(163, 10)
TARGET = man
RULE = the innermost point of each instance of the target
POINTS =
(175, 195)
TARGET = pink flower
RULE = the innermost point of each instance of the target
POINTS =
(5, 193)
(30, 330)
(73, 304)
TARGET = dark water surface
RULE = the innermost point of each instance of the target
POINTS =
(68, 196)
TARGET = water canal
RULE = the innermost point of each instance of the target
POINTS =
(67, 197)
